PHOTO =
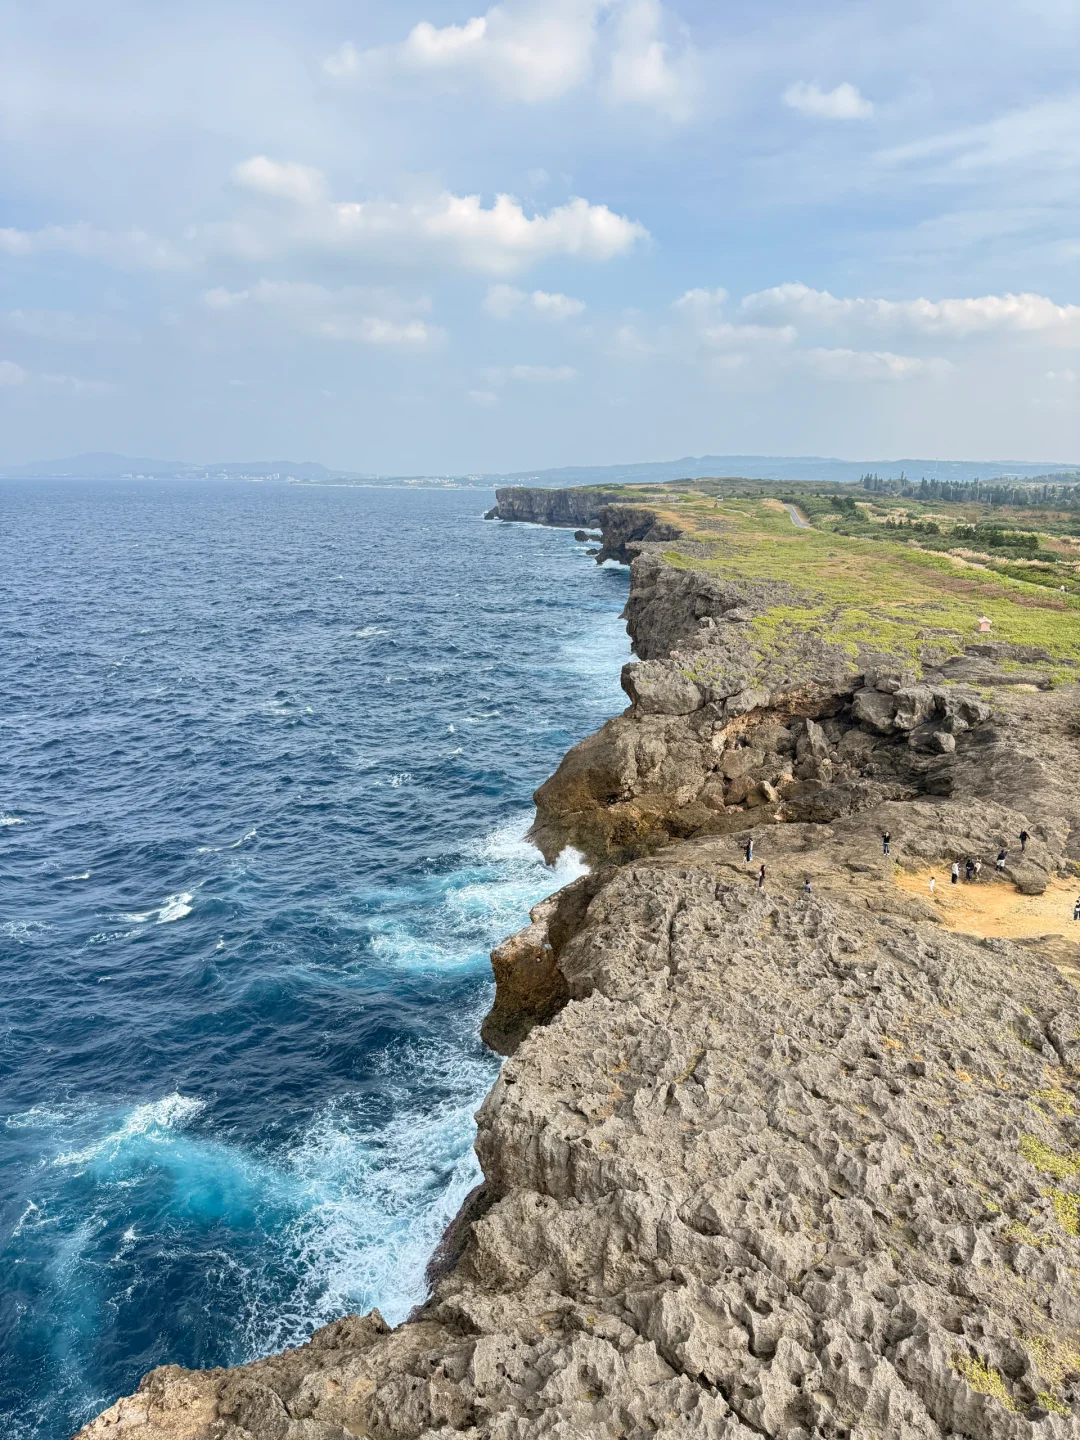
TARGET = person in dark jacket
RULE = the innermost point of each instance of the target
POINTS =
(1024, 838)
(749, 851)
(886, 841)
(761, 878)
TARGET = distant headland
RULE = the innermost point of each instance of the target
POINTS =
(104, 465)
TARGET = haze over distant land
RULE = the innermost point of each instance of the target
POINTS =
(104, 465)
(446, 236)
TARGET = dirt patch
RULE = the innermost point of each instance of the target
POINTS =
(996, 908)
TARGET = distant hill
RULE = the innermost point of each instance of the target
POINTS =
(787, 467)
(103, 465)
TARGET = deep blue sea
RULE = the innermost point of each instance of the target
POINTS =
(266, 759)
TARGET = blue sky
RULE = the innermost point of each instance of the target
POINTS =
(427, 236)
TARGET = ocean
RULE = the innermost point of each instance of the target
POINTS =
(266, 759)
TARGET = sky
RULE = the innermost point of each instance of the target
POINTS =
(422, 236)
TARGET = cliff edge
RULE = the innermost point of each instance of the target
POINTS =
(789, 1154)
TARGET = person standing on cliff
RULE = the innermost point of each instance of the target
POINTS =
(1002, 856)
(933, 884)
(807, 888)
(1024, 838)
(954, 873)
(1076, 909)
(761, 878)
(749, 851)
(969, 870)
(886, 841)
(978, 868)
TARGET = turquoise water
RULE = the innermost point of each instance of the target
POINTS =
(266, 758)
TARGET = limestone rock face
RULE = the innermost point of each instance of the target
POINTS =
(572, 508)
(784, 1165)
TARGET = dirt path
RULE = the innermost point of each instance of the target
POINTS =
(996, 908)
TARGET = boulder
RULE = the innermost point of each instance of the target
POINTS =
(874, 708)
(914, 704)
(736, 763)
(812, 743)
(745, 701)
(658, 688)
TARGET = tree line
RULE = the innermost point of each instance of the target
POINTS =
(1060, 496)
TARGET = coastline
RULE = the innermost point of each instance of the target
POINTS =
(773, 1160)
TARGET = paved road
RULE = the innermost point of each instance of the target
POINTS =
(798, 518)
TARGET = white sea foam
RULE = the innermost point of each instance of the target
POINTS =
(373, 1197)
(369, 632)
(10, 820)
(152, 1121)
(402, 778)
(174, 907)
(24, 932)
(85, 875)
(237, 843)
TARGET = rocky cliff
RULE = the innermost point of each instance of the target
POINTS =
(794, 1157)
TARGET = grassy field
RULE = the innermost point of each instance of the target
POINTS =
(866, 574)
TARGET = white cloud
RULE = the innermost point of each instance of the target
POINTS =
(955, 317)
(843, 103)
(441, 228)
(1045, 135)
(702, 308)
(531, 374)
(872, 365)
(485, 399)
(530, 50)
(504, 301)
(64, 327)
(15, 378)
(556, 307)
(500, 239)
(282, 179)
(124, 248)
(344, 314)
(538, 50)
(644, 70)
(725, 334)
(699, 300)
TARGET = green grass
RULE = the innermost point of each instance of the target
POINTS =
(884, 596)
(983, 1379)
(1048, 1161)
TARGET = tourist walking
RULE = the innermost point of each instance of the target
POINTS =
(761, 878)
(955, 872)
(1002, 856)
(933, 884)
(749, 851)
(978, 868)
(1076, 909)
(807, 888)
(969, 870)
(1024, 838)
(886, 841)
